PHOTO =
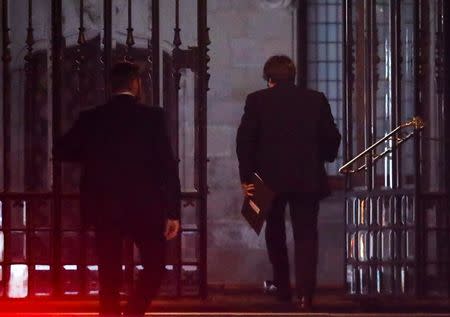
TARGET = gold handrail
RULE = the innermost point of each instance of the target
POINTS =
(417, 124)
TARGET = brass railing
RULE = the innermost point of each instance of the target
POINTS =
(415, 123)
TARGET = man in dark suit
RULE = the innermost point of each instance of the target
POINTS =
(129, 187)
(285, 135)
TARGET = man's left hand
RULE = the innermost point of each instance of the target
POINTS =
(172, 228)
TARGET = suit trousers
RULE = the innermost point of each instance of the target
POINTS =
(303, 211)
(152, 255)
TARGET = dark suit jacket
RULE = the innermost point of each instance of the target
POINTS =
(126, 162)
(285, 135)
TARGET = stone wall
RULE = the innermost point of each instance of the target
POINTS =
(244, 33)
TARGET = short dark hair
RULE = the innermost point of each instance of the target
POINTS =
(279, 68)
(122, 74)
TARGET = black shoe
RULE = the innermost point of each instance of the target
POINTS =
(281, 294)
(304, 303)
(269, 287)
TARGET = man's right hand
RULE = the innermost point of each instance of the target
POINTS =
(248, 189)
(172, 228)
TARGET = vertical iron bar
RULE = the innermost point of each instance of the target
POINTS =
(28, 139)
(29, 107)
(177, 44)
(107, 47)
(395, 39)
(370, 93)
(177, 76)
(395, 70)
(155, 53)
(346, 96)
(57, 46)
(302, 41)
(372, 84)
(82, 100)
(418, 83)
(201, 104)
(347, 86)
(446, 79)
(6, 58)
(130, 38)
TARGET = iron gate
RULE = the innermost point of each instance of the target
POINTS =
(397, 210)
(53, 66)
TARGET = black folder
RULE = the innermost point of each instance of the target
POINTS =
(255, 208)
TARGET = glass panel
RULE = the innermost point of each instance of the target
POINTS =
(70, 247)
(190, 280)
(18, 215)
(18, 281)
(379, 278)
(30, 136)
(363, 212)
(386, 280)
(386, 209)
(374, 242)
(351, 245)
(70, 214)
(407, 88)
(409, 244)
(437, 246)
(387, 244)
(374, 212)
(362, 246)
(17, 251)
(436, 279)
(189, 214)
(351, 279)
(408, 212)
(70, 280)
(41, 282)
(41, 214)
(92, 280)
(373, 279)
(189, 246)
(41, 247)
(363, 280)
(432, 247)
(169, 284)
(381, 85)
(352, 207)
(408, 280)
(431, 216)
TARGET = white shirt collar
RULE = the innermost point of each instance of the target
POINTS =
(124, 93)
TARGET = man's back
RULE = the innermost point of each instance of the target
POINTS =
(290, 132)
(123, 151)
(125, 156)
